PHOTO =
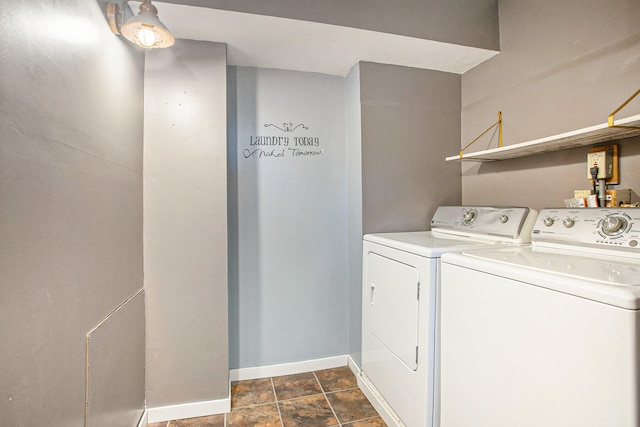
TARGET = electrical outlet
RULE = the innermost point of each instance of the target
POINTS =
(613, 150)
(603, 160)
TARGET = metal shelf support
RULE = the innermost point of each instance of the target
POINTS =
(611, 120)
(498, 123)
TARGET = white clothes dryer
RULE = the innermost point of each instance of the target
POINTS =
(547, 334)
(400, 274)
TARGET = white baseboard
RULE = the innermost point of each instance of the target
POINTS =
(222, 406)
(378, 402)
(144, 419)
(354, 367)
(288, 368)
(189, 410)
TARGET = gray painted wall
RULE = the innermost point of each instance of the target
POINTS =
(185, 223)
(354, 216)
(288, 250)
(563, 66)
(70, 205)
(111, 400)
(464, 22)
(400, 121)
(410, 120)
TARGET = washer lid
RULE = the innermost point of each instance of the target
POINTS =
(607, 279)
(429, 244)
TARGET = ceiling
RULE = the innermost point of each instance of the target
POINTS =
(282, 43)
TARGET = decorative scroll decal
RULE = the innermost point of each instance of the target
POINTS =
(287, 127)
(282, 146)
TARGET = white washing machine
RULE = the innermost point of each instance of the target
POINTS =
(400, 273)
(545, 335)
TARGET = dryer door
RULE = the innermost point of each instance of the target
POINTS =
(393, 291)
(398, 330)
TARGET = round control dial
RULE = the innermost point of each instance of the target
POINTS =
(548, 221)
(613, 225)
(568, 222)
(504, 218)
(469, 216)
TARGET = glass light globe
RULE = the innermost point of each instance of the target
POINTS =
(146, 37)
(146, 30)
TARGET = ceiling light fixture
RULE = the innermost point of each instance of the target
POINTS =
(145, 29)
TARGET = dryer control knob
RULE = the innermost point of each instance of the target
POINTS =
(504, 218)
(469, 216)
(568, 222)
(548, 221)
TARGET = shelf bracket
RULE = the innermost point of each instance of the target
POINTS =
(498, 123)
(611, 122)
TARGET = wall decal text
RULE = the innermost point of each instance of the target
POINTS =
(283, 146)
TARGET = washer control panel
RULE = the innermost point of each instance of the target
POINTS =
(503, 223)
(589, 229)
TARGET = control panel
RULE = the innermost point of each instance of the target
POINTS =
(506, 223)
(589, 229)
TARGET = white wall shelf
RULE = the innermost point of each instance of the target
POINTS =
(577, 138)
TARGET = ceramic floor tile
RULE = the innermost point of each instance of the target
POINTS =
(337, 379)
(261, 415)
(351, 405)
(301, 403)
(309, 411)
(210, 421)
(370, 422)
(251, 392)
(292, 386)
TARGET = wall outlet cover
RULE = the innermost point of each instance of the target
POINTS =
(603, 161)
(609, 150)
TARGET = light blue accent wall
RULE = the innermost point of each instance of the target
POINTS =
(288, 264)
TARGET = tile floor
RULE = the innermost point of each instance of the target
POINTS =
(329, 397)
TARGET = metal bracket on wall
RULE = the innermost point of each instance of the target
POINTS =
(498, 123)
(624, 104)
